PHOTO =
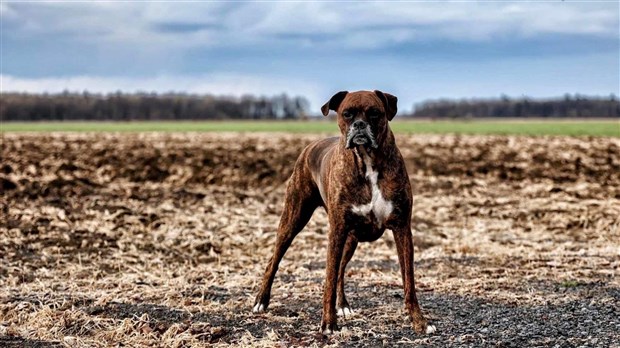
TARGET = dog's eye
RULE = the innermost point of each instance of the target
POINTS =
(374, 114)
(347, 114)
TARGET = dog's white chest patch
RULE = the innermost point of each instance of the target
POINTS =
(380, 207)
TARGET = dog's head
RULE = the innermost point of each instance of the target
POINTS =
(363, 116)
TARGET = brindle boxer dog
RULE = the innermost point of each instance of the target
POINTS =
(361, 180)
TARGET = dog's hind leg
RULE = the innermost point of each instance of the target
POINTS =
(300, 202)
(342, 304)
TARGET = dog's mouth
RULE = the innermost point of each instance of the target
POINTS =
(361, 137)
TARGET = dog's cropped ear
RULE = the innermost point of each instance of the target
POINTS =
(389, 101)
(334, 102)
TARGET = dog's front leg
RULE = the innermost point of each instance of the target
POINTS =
(337, 238)
(404, 246)
(343, 307)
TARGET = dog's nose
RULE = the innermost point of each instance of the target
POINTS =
(359, 124)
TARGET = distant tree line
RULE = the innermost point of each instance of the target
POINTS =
(147, 106)
(569, 106)
(178, 106)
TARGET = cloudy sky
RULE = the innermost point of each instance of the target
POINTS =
(416, 50)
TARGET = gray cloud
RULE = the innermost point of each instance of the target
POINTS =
(184, 28)
(191, 24)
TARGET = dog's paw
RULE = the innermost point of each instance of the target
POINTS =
(328, 329)
(345, 312)
(422, 327)
(259, 308)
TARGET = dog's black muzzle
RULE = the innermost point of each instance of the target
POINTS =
(360, 134)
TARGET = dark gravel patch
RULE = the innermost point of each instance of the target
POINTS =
(15, 342)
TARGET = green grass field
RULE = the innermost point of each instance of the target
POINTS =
(524, 127)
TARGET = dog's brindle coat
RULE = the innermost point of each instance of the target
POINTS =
(361, 180)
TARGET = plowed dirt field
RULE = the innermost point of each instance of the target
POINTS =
(158, 239)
